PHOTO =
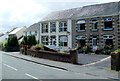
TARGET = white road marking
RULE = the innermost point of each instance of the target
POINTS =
(10, 67)
(30, 76)
(97, 61)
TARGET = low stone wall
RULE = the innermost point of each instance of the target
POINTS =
(63, 57)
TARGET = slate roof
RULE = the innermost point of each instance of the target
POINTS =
(34, 27)
(16, 30)
(85, 11)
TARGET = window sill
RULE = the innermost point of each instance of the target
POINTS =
(107, 29)
(94, 30)
(80, 30)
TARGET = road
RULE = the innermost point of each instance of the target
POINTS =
(15, 68)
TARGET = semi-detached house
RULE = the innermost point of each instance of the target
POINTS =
(93, 25)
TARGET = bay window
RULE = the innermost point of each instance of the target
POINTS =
(63, 41)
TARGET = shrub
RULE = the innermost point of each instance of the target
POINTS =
(29, 40)
(38, 47)
(11, 44)
(118, 50)
(106, 50)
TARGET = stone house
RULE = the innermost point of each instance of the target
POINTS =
(92, 25)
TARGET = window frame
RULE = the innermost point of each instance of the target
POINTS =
(52, 26)
(44, 41)
(107, 20)
(79, 23)
(62, 43)
(63, 26)
(94, 25)
(44, 27)
(51, 40)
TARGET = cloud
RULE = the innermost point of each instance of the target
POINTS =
(17, 13)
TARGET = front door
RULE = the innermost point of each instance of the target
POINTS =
(94, 44)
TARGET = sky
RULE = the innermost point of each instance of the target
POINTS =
(19, 13)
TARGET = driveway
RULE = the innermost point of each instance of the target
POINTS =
(84, 59)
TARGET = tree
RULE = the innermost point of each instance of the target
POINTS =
(29, 40)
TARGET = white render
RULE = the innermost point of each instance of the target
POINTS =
(57, 33)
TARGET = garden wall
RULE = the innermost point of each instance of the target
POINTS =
(63, 57)
(115, 61)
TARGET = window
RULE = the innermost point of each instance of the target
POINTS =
(108, 24)
(63, 41)
(109, 42)
(35, 33)
(45, 40)
(53, 40)
(52, 27)
(81, 25)
(94, 41)
(45, 28)
(30, 33)
(108, 39)
(81, 40)
(94, 25)
(62, 26)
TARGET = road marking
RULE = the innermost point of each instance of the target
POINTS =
(97, 61)
(30, 76)
(10, 67)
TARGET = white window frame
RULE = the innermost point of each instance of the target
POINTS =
(63, 27)
(53, 40)
(94, 42)
(107, 37)
(45, 41)
(52, 26)
(80, 37)
(63, 41)
(108, 20)
(79, 23)
(93, 25)
(45, 27)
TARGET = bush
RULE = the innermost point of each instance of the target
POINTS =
(11, 44)
(29, 40)
(38, 47)
(118, 50)
(106, 50)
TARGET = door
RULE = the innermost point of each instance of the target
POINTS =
(94, 44)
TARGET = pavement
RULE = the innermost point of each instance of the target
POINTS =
(91, 70)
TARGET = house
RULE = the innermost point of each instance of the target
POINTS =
(33, 30)
(93, 26)
(18, 31)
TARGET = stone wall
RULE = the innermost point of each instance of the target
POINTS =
(63, 57)
(115, 61)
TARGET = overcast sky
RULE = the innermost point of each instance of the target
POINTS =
(17, 13)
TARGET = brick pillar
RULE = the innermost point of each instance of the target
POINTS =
(115, 61)
(73, 56)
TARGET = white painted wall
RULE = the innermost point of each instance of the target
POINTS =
(57, 33)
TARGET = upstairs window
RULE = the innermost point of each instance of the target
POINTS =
(108, 24)
(63, 26)
(52, 27)
(81, 25)
(94, 25)
(35, 33)
(45, 28)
